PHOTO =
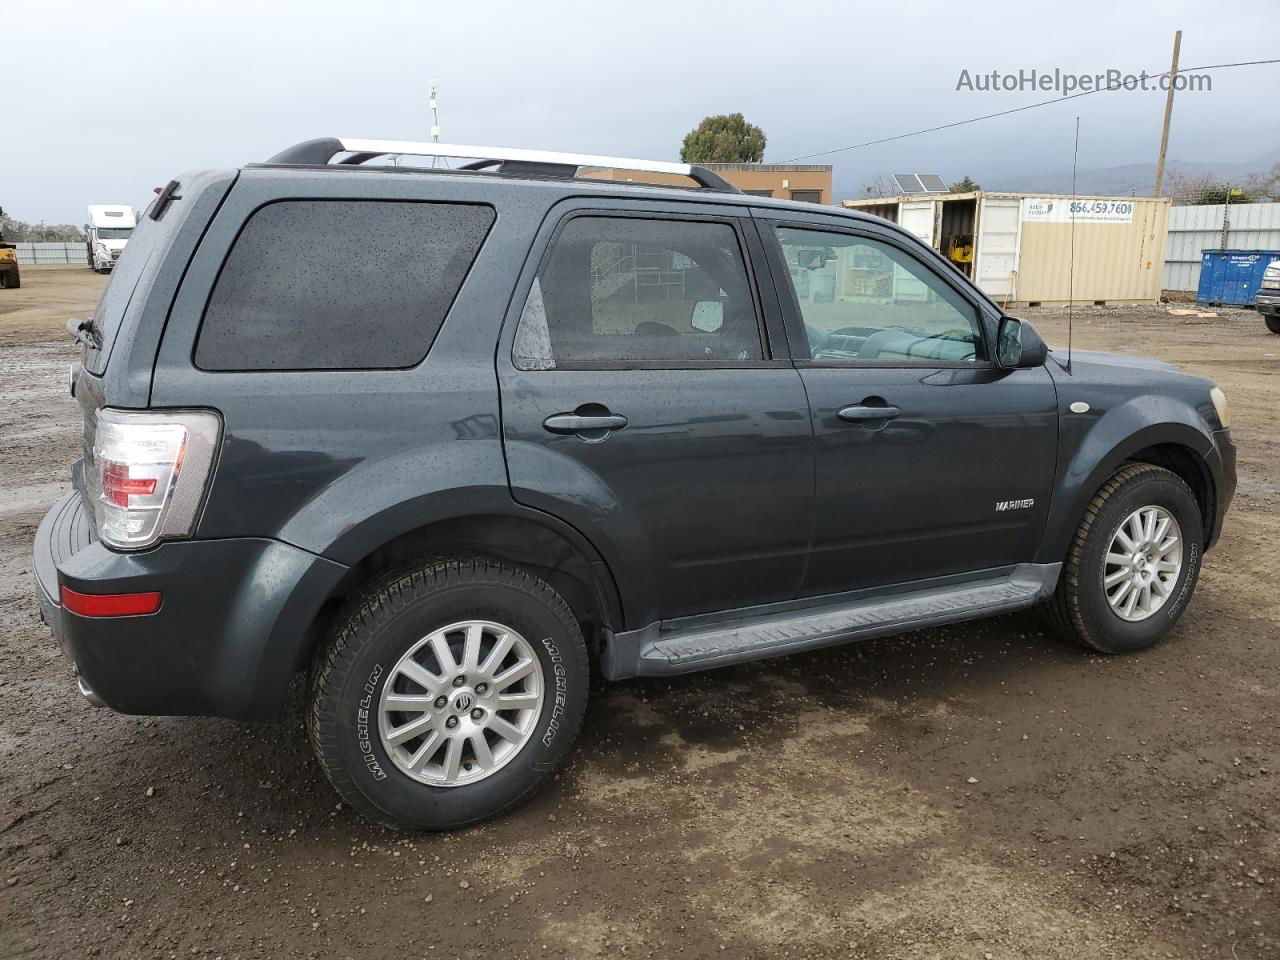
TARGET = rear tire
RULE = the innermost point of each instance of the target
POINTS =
(354, 730)
(1082, 610)
(1273, 324)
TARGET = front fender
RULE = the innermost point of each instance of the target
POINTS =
(1101, 442)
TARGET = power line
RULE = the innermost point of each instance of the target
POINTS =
(1029, 106)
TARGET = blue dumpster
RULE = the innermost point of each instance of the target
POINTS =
(1232, 277)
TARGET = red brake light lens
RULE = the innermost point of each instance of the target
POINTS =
(110, 604)
(118, 486)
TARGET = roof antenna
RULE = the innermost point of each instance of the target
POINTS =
(1071, 263)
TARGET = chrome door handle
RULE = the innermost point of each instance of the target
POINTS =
(858, 412)
(573, 423)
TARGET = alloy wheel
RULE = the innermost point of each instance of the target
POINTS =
(461, 703)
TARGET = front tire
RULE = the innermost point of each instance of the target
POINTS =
(1133, 564)
(1273, 324)
(414, 714)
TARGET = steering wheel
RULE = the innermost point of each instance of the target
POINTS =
(739, 334)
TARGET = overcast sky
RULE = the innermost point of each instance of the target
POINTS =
(106, 100)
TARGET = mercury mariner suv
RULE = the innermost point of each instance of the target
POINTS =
(445, 440)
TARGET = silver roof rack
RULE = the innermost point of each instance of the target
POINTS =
(506, 159)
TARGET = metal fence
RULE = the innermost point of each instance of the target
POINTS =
(1194, 229)
(52, 253)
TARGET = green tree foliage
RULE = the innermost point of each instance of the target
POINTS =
(965, 185)
(724, 138)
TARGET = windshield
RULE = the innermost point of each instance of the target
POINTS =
(114, 233)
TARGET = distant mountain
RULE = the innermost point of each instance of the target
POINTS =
(1133, 179)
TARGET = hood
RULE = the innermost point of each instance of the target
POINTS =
(112, 245)
(1115, 361)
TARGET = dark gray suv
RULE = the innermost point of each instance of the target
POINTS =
(445, 438)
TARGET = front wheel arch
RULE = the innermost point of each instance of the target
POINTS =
(1176, 446)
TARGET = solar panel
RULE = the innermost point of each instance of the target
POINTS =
(933, 183)
(908, 183)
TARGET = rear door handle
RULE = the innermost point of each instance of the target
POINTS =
(858, 412)
(574, 423)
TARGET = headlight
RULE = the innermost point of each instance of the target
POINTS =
(1220, 404)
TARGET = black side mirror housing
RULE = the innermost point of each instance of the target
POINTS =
(1018, 345)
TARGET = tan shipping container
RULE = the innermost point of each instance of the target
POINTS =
(1018, 248)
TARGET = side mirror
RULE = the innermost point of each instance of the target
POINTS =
(708, 316)
(1018, 345)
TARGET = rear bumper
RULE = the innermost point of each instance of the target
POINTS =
(226, 640)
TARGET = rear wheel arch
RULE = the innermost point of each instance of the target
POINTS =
(565, 560)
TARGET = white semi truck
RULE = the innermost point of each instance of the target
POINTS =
(106, 234)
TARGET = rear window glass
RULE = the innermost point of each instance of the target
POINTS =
(109, 313)
(339, 284)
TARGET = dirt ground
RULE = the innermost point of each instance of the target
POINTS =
(977, 791)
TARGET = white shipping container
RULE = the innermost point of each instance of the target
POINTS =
(1042, 248)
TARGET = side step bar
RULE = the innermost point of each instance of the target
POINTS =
(700, 643)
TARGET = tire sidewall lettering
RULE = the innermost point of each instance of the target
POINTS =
(364, 715)
(1188, 582)
(560, 691)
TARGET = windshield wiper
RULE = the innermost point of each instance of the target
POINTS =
(85, 332)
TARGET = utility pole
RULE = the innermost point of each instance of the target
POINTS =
(1168, 114)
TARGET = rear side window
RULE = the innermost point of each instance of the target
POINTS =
(339, 284)
(624, 289)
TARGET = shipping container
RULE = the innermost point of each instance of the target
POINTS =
(1232, 277)
(1018, 248)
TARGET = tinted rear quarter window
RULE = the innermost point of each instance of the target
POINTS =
(339, 284)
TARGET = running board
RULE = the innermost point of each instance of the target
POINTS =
(700, 643)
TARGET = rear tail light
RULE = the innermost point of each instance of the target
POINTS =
(147, 473)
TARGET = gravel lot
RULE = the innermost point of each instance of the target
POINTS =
(977, 791)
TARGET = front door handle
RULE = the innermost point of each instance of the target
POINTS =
(576, 423)
(859, 412)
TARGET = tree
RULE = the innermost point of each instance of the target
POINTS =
(1203, 189)
(964, 186)
(724, 138)
(879, 186)
(16, 231)
(1264, 186)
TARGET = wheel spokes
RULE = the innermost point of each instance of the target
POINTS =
(408, 731)
(1142, 562)
(518, 672)
(421, 676)
(460, 703)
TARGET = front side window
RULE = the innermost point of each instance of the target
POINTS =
(861, 299)
(630, 289)
(339, 284)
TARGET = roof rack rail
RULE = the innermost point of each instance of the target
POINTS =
(507, 159)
